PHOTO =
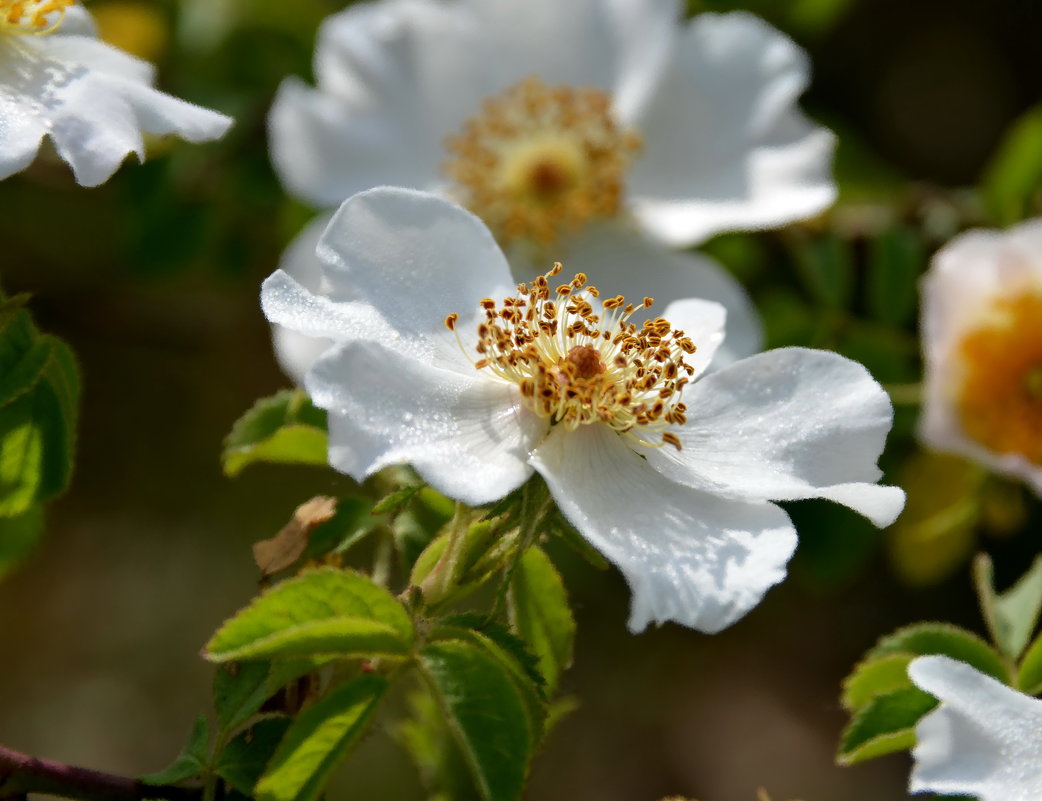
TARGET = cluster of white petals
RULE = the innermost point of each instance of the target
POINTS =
(984, 740)
(92, 100)
(692, 528)
(982, 347)
(714, 138)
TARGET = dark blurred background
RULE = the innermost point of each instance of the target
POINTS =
(153, 280)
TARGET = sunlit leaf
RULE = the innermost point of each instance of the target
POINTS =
(243, 760)
(540, 613)
(285, 428)
(324, 612)
(885, 725)
(319, 739)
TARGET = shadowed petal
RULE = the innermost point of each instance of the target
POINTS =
(689, 557)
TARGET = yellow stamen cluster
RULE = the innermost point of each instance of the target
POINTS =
(999, 399)
(32, 16)
(577, 365)
(541, 161)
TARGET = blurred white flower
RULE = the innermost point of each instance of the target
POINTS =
(984, 740)
(92, 100)
(590, 131)
(982, 345)
(440, 361)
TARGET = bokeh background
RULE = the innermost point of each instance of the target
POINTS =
(153, 280)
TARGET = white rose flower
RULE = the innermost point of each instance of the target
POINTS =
(592, 131)
(984, 740)
(441, 361)
(982, 346)
(93, 100)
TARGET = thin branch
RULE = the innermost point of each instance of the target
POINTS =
(21, 774)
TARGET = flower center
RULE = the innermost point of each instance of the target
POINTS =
(1000, 399)
(32, 16)
(541, 161)
(577, 364)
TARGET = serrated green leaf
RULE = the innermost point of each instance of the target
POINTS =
(319, 739)
(885, 725)
(191, 761)
(243, 760)
(17, 537)
(324, 612)
(875, 677)
(241, 688)
(510, 652)
(922, 639)
(1012, 181)
(541, 615)
(1011, 616)
(896, 258)
(485, 713)
(285, 429)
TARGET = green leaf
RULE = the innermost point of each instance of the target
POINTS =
(241, 688)
(511, 653)
(396, 500)
(319, 739)
(192, 760)
(885, 725)
(922, 639)
(485, 713)
(24, 354)
(875, 677)
(324, 612)
(1012, 182)
(285, 429)
(426, 738)
(243, 760)
(1029, 675)
(1011, 616)
(17, 537)
(895, 259)
(540, 614)
(351, 523)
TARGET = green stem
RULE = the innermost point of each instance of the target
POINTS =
(445, 575)
(535, 505)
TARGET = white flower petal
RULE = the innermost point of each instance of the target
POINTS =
(286, 303)
(703, 321)
(296, 352)
(92, 99)
(726, 147)
(787, 424)
(966, 278)
(467, 436)
(394, 78)
(693, 558)
(413, 257)
(985, 739)
(623, 262)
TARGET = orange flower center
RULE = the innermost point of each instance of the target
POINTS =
(540, 161)
(577, 364)
(1000, 397)
(32, 16)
